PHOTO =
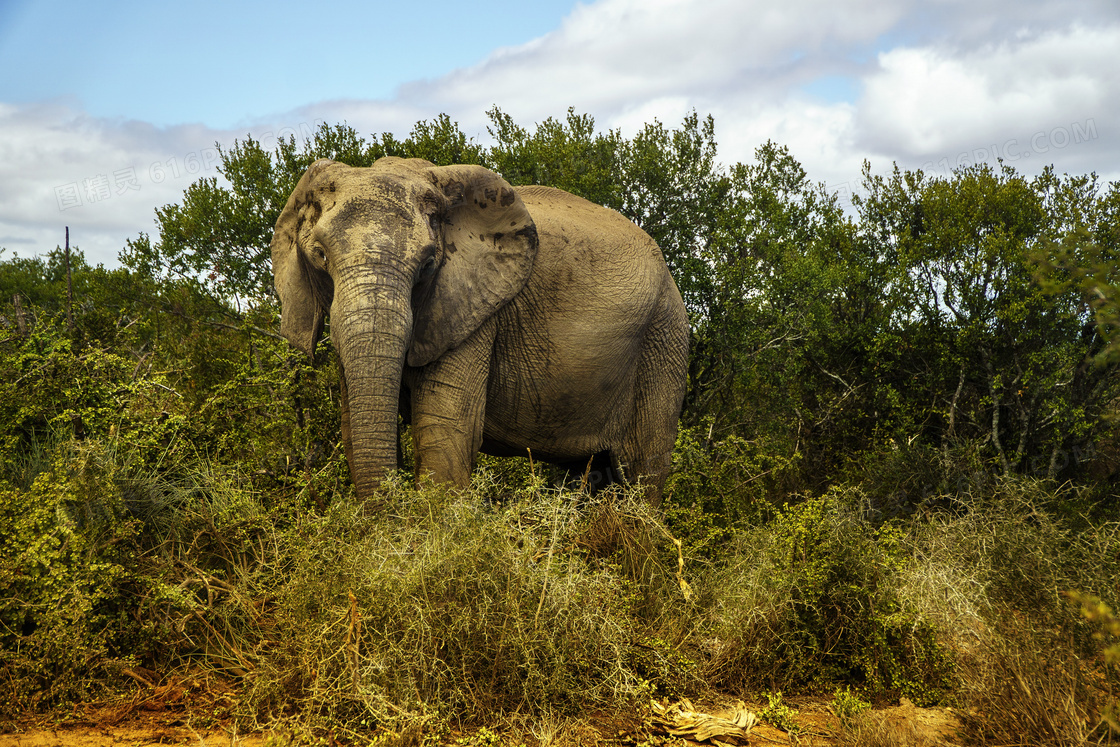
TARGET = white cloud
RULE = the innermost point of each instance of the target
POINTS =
(102, 178)
(928, 102)
(616, 55)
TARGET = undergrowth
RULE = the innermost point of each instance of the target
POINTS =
(516, 600)
(812, 598)
(441, 603)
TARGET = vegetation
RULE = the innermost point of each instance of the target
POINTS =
(895, 465)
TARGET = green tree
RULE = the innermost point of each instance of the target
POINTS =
(567, 154)
(1082, 253)
(439, 141)
(673, 187)
(41, 281)
(798, 305)
(995, 363)
(821, 337)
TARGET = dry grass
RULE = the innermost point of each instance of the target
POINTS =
(441, 604)
(529, 606)
(1030, 689)
(811, 599)
(871, 730)
(991, 577)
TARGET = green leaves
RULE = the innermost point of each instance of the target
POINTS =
(567, 154)
(1005, 359)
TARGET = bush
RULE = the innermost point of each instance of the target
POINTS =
(991, 577)
(435, 602)
(65, 562)
(51, 388)
(440, 604)
(716, 486)
(1006, 550)
(812, 599)
(1029, 687)
(847, 707)
(512, 598)
(173, 496)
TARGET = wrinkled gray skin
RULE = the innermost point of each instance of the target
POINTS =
(494, 319)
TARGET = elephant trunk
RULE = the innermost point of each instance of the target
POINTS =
(371, 328)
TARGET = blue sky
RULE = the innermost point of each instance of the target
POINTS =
(227, 64)
(110, 110)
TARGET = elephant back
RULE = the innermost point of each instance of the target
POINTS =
(592, 245)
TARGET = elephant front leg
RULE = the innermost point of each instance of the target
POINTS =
(448, 410)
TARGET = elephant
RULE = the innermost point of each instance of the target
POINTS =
(493, 319)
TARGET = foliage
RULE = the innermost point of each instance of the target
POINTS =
(568, 155)
(430, 604)
(1032, 689)
(1080, 257)
(990, 578)
(64, 561)
(848, 706)
(715, 486)
(41, 281)
(813, 599)
(51, 387)
(778, 714)
(830, 338)
(895, 459)
(1003, 363)
(1108, 631)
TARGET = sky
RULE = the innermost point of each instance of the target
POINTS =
(111, 110)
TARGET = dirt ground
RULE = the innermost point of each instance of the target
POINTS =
(167, 721)
(137, 732)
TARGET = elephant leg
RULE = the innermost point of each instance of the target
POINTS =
(449, 407)
(647, 451)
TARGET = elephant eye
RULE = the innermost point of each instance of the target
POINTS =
(427, 269)
(434, 222)
(319, 255)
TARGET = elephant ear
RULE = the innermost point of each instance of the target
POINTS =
(489, 244)
(302, 301)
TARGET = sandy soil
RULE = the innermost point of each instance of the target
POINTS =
(135, 733)
(144, 722)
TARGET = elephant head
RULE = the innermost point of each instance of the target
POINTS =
(408, 259)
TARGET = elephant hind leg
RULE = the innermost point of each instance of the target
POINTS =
(646, 455)
(594, 473)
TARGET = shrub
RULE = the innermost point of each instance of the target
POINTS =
(778, 714)
(65, 559)
(1005, 551)
(50, 388)
(728, 481)
(438, 603)
(811, 599)
(848, 706)
(990, 575)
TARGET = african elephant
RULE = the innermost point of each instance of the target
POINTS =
(494, 319)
